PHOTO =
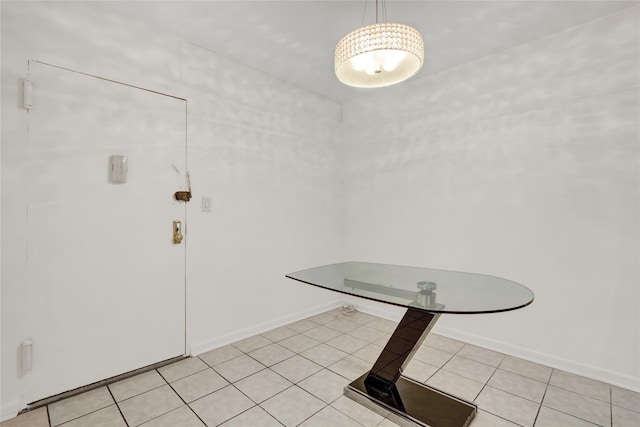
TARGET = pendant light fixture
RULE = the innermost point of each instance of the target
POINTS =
(379, 54)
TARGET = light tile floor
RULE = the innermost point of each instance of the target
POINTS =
(295, 375)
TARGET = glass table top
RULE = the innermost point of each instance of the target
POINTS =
(437, 291)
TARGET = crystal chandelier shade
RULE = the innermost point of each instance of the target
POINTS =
(379, 55)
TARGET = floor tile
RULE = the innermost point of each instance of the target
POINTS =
(548, 417)
(323, 318)
(271, 354)
(443, 343)
(387, 423)
(383, 324)
(432, 356)
(238, 368)
(262, 385)
(362, 318)
(588, 387)
(299, 343)
(255, 342)
(181, 369)
(485, 419)
(347, 343)
(625, 418)
(218, 407)
(469, 368)
(419, 371)
(136, 385)
(325, 385)
(382, 341)
(369, 353)
(149, 405)
(356, 411)
(625, 398)
(367, 333)
(302, 325)
(338, 312)
(77, 406)
(526, 369)
(220, 355)
(292, 406)
(342, 325)
(105, 417)
(482, 355)
(279, 334)
(504, 405)
(324, 355)
(333, 346)
(518, 385)
(296, 368)
(350, 367)
(322, 333)
(181, 417)
(578, 405)
(199, 384)
(254, 417)
(455, 384)
(36, 418)
(330, 416)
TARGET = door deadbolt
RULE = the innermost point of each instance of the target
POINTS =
(184, 196)
(177, 232)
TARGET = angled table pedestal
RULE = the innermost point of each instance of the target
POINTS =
(426, 293)
(384, 390)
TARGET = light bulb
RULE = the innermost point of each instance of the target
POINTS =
(391, 58)
(372, 67)
(359, 62)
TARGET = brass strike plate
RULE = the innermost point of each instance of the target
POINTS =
(177, 232)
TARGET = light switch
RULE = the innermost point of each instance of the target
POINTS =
(118, 169)
(206, 204)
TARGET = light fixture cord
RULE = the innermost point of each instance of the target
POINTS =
(384, 10)
(364, 12)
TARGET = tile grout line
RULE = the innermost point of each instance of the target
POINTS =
(296, 384)
(180, 397)
(291, 386)
(328, 369)
(48, 416)
(542, 400)
(560, 411)
(84, 415)
(611, 405)
(117, 406)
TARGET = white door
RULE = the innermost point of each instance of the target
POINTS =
(106, 280)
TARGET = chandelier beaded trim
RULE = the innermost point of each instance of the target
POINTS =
(384, 35)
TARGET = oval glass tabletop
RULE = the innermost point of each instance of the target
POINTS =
(437, 291)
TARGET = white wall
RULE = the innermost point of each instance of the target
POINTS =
(524, 165)
(265, 151)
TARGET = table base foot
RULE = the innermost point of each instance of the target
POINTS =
(420, 405)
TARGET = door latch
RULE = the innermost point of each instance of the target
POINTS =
(177, 232)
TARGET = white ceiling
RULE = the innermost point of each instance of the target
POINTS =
(294, 40)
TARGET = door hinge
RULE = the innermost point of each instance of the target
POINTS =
(27, 93)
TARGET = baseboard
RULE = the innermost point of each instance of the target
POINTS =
(10, 410)
(614, 378)
(212, 344)
(386, 311)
